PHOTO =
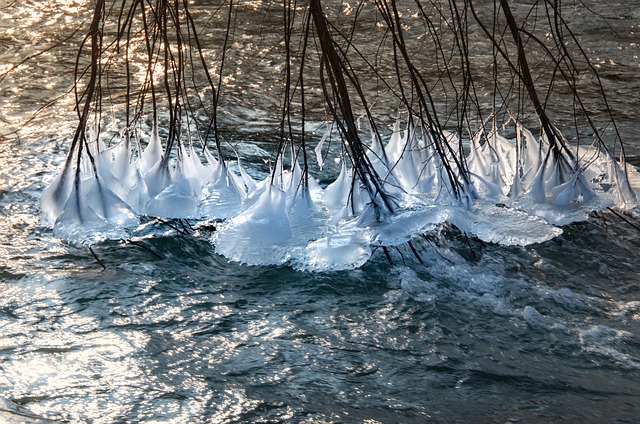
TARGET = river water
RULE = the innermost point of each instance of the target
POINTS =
(171, 332)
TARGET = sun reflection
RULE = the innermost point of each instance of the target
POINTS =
(26, 32)
(69, 356)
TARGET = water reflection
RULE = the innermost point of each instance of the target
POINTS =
(192, 347)
(37, 58)
(553, 329)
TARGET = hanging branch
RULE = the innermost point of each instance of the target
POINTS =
(527, 79)
(427, 114)
(333, 68)
(79, 138)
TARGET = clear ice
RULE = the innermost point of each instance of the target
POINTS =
(517, 193)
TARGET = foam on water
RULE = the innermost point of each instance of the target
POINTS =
(517, 192)
(609, 343)
(557, 313)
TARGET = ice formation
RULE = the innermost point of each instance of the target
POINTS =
(517, 193)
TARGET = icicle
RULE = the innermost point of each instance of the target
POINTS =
(517, 188)
(477, 158)
(408, 160)
(293, 182)
(397, 143)
(618, 174)
(55, 196)
(504, 164)
(427, 168)
(564, 194)
(383, 166)
(138, 194)
(123, 179)
(93, 213)
(277, 173)
(537, 190)
(532, 158)
(487, 188)
(260, 235)
(223, 193)
(157, 178)
(213, 162)
(444, 194)
(118, 160)
(378, 157)
(318, 149)
(222, 178)
(337, 193)
(153, 153)
(193, 167)
(307, 221)
(248, 182)
(191, 170)
(179, 198)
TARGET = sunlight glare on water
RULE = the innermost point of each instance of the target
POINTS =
(171, 332)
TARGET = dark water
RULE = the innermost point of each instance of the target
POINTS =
(171, 332)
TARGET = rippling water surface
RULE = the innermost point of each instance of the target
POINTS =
(171, 332)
